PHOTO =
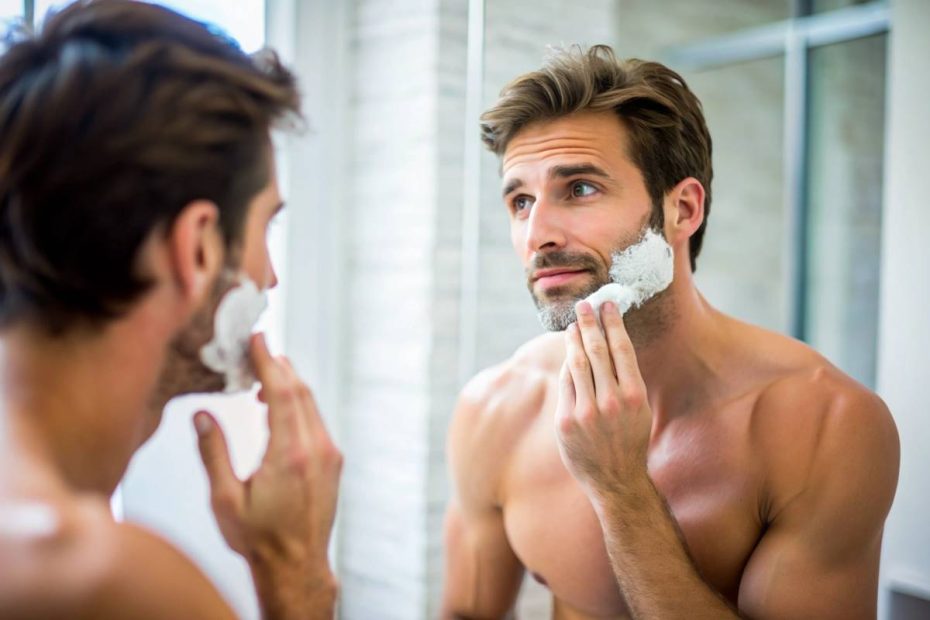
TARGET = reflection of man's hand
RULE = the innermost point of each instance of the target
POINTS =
(280, 518)
(603, 418)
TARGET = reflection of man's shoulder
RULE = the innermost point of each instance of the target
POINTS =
(505, 399)
(790, 378)
(813, 419)
(520, 381)
(809, 386)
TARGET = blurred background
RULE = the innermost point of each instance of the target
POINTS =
(398, 281)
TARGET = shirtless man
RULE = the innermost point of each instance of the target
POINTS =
(681, 463)
(137, 182)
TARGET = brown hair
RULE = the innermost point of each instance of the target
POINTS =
(669, 140)
(112, 119)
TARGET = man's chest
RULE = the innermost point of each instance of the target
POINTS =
(710, 487)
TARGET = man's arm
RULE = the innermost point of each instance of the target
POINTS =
(818, 559)
(483, 575)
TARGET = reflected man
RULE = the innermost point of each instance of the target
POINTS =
(677, 463)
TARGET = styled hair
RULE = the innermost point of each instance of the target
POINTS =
(668, 137)
(113, 118)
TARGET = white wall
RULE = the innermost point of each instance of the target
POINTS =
(402, 208)
(904, 335)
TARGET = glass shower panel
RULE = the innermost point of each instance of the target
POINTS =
(741, 269)
(844, 196)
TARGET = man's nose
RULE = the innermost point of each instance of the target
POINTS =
(545, 227)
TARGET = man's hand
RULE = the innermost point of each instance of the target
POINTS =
(604, 424)
(603, 415)
(280, 519)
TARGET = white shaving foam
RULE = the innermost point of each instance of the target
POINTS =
(228, 352)
(637, 274)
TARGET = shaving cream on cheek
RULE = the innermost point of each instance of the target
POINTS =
(637, 274)
(228, 352)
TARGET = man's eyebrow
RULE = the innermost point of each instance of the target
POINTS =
(278, 208)
(511, 186)
(570, 171)
(561, 172)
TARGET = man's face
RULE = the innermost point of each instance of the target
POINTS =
(574, 198)
(185, 372)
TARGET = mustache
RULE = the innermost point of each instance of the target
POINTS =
(562, 259)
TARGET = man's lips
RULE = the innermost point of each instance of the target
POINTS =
(556, 277)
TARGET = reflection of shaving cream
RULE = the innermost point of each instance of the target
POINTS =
(228, 352)
(637, 274)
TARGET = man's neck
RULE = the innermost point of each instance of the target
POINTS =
(682, 366)
(76, 406)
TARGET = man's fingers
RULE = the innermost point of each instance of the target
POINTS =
(284, 423)
(266, 369)
(566, 402)
(621, 347)
(595, 347)
(307, 401)
(225, 487)
(580, 369)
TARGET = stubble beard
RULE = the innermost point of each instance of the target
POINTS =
(184, 372)
(556, 310)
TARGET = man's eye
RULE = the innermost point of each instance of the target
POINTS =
(521, 203)
(582, 189)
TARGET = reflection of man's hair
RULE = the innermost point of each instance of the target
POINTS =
(114, 117)
(669, 140)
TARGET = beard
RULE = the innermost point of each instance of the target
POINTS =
(556, 305)
(184, 372)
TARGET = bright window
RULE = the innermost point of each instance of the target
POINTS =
(243, 20)
(9, 10)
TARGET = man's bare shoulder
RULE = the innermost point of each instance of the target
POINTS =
(511, 393)
(69, 558)
(497, 407)
(811, 421)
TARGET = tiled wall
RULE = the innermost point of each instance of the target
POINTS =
(403, 229)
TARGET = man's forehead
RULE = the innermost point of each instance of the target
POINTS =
(584, 136)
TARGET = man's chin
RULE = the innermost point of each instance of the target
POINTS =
(557, 316)
(556, 309)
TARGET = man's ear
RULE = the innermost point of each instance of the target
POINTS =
(196, 249)
(684, 210)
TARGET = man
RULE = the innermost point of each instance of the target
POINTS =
(679, 463)
(137, 181)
